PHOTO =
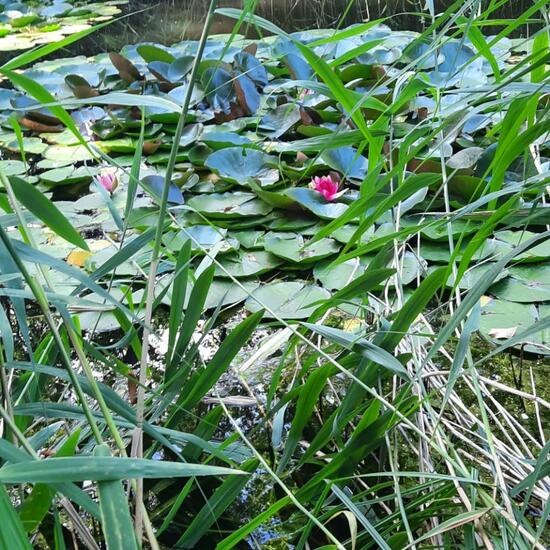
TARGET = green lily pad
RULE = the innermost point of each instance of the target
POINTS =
(280, 120)
(292, 247)
(59, 153)
(251, 240)
(473, 275)
(67, 175)
(233, 204)
(336, 277)
(237, 164)
(30, 145)
(344, 233)
(202, 237)
(347, 161)
(228, 293)
(247, 263)
(513, 238)
(150, 52)
(526, 283)
(286, 300)
(221, 140)
(284, 223)
(12, 167)
(502, 319)
(440, 232)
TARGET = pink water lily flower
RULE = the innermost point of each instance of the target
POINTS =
(108, 181)
(327, 186)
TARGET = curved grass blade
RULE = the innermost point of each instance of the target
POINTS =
(46, 211)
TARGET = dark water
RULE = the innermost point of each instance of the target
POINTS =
(170, 21)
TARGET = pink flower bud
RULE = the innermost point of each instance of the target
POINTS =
(108, 181)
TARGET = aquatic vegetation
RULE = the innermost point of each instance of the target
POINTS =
(25, 24)
(373, 200)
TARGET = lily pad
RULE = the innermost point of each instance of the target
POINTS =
(68, 175)
(250, 66)
(286, 300)
(202, 237)
(247, 263)
(279, 121)
(233, 204)
(526, 283)
(473, 275)
(502, 319)
(538, 252)
(237, 164)
(293, 247)
(336, 277)
(155, 183)
(347, 161)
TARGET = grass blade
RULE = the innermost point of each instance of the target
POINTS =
(116, 521)
(223, 496)
(103, 468)
(46, 211)
(12, 532)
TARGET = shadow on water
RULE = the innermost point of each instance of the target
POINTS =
(170, 21)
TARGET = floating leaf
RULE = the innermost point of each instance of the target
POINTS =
(229, 205)
(526, 283)
(501, 317)
(154, 53)
(347, 161)
(276, 122)
(247, 94)
(292, 247)
(250, 66)
(126, 70)
(298, 67)
(155, 184)
(237, 164)
(286, 300)
(467, 158)
(247, 263)
(218, 85)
